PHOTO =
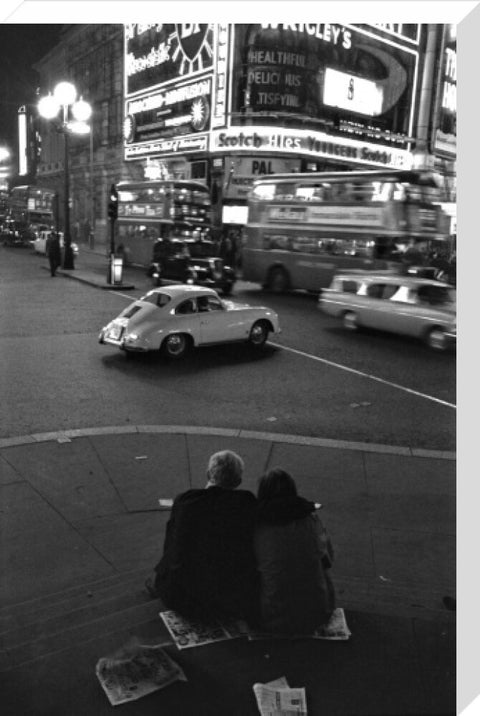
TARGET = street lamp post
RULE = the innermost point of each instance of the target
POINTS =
(64, 98)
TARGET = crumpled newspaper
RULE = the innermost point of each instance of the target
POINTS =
(136, 670)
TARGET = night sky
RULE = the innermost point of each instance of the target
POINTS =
(20, 47)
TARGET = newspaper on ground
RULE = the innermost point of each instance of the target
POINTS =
(188, 633)
(136, 670)
(335, 630)
(276, 698)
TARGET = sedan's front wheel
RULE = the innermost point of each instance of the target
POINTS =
(258, 334)
(436, 339)
(175, 345)
(350, 321)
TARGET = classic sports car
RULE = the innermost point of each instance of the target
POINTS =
(174, 319)
(409, 305)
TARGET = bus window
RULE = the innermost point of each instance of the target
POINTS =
(285, 191)
(305, 244)
(264, 192)
(382, 191)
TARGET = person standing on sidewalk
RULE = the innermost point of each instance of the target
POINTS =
(53, 251)
(208, 567)
(294, 555)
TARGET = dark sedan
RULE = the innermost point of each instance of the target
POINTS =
(192, 262)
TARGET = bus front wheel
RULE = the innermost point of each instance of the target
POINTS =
(277, 280)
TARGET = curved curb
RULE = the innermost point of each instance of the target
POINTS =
(68, 435)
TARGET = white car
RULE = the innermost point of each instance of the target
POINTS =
(173, 319)
(40, 243)
(409, 305)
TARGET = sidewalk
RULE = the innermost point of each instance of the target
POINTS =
(92, 267)
(82, 529)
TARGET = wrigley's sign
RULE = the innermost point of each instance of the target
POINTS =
(304, 142)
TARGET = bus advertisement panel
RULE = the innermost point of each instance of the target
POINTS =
(303, 227)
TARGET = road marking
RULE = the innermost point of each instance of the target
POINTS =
(346, 368)
(123, 295)
(365, 375)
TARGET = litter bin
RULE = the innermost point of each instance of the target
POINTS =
(116, 269)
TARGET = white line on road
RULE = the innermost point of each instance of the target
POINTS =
(365, 375)
(123, 295)
(343, 367)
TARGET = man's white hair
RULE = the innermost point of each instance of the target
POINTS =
(225, 469)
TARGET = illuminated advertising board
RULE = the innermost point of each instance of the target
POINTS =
(156, 54)
(266, 140)
(353, 80)
(168, 88)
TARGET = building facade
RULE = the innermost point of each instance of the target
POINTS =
(91, 57)
(225, 103)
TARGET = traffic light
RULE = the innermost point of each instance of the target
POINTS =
(113, 203)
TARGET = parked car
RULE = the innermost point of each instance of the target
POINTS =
(190, 261)
(173, 319)
(40, 243)
(16, 233)
(404, 304)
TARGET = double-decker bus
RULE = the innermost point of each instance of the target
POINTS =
(32, 205)
(30, 210)
(303, 227)
(166, 209)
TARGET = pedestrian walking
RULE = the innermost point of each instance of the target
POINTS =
(53, 252)
(208, 569)
(294, 555)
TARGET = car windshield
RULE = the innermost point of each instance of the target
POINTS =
(156, 298)
(437, 295)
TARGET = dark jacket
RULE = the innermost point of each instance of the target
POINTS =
(53, 249)
(294, 555)
(208, 568)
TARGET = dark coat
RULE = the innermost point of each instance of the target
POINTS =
(294, 555)
(208, 568)
(53, 250)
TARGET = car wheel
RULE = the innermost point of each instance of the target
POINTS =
(258, 334)
(436, 339)
(176, 345)
(350, 321)
(277, 280)
(227, 290)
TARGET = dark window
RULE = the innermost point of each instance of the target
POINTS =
(158, 299)
(350, 286)
(186, 307)
(132, 311)
(434, 295)
(382, 290)
(390, 289)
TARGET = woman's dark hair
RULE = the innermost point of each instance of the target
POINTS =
(276, 483)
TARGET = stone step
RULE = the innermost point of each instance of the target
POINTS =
(38, 629)
(45, 606)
